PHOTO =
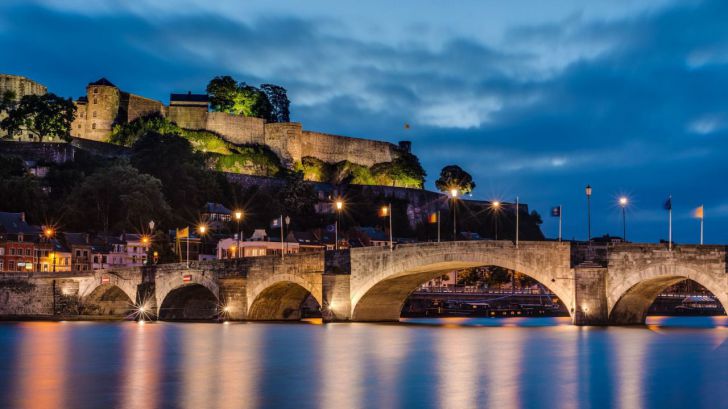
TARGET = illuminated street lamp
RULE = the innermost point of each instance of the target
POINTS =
(588, 191)
(454, 196)
(623, 202)
(387, 212)
(495, 206)
(238, 218)
(202, 229)
(339, 206)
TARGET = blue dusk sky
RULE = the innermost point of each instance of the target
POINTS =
(533, 98)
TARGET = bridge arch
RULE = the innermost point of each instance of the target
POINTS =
(189, 302)
(630, 296)
(380, 294)
(280, 297)
(107, 300)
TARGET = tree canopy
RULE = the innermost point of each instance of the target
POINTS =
(453, 177)
(269, 102)
(40, 115)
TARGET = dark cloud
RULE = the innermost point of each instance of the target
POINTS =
(630, 105)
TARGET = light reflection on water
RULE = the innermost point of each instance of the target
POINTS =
(447, 363)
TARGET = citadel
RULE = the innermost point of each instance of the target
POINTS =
(106, 105)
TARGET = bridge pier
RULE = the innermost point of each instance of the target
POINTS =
(233, 299)
(590, 297)
(336, 298)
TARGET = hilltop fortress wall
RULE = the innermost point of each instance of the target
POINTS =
(105, 105)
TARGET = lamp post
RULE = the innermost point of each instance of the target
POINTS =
(454, 196)
(48, 232)
(387, 211)
(202, 229)
(288, 221)
(149, 242)
(339, 207)
(588, 191)
(238, 218)
(496, 205)
(623, 202)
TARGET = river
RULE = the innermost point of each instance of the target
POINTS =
(419, 363)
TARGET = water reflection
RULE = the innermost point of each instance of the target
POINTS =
(438, 363)
(42, 351)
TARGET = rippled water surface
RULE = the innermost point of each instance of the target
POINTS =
(420, 363)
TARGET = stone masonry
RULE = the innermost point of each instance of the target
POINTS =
(363, 284)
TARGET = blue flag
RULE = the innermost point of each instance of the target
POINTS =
(556, 211)
(275, 223)
(668, 203)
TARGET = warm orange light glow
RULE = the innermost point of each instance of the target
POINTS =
(496, 204)
(454, 193)
(202, 229)
(339, 205)
(48, 232)
(623, 201)
(385, 210)
(145, 239)
(238, 215)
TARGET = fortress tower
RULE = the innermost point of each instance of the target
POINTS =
(102, 109)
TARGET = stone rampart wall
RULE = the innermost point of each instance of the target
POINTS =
(194, 118)
(335, 148)
(236, 129)
(137, 106)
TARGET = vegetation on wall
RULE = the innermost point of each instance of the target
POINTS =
(404, 171)
(220, 154)
(454, 177)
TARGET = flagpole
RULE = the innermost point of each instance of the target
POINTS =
(560, 211)
(438, 226)
(701, 230)
(669, 230)
(282, 249)
(188, 246)
(517, 220)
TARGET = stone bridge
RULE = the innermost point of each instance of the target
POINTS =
(364, 284)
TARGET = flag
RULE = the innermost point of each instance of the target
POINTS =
(556, 211)
(668, 203)
(330, 228)
(275, 223)
(698, 213)
(182, 233)
(433, 218)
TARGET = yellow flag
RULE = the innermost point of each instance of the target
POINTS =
(182, 233)
(698, 212)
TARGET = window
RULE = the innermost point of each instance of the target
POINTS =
(2, 251)
(20, 237)
(96, 101)
(96, 90)
(94, 114)
(1, 265)
(28, 252)
(12, 251)
(11, 265)
(78, 253)
(93, 125)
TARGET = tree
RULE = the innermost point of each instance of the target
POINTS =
(536, 218)
(187, 183)
(118, 198)
(453, 177)
(298, 199)
(280, 104)
(41, 116)
(7, 101)
(227, 95)
(222, 91)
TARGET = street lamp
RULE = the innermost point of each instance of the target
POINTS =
(387, 211)
(339, 206)
(202, 229)
(588, 191)
(238, 218)
(454, 196)
(48, 232)
(623, 202)
(496, 206)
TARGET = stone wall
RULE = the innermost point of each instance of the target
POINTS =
(193, 118)
(52, 152)
(102, 111)
(236, 129)
(134, 106)
(335, 148)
